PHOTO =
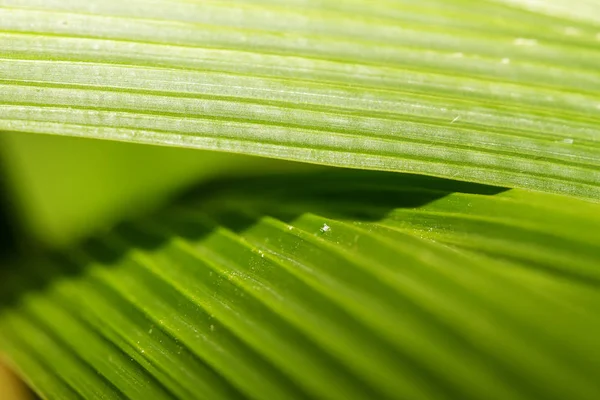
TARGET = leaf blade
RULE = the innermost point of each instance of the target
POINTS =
(222, 281)
(299, 84)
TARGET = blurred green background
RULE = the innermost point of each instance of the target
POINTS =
(60, 189)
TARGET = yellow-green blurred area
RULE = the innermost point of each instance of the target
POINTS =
(11, 387)
(63, 188)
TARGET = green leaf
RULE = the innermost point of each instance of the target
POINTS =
(481, 91)
(340, 285)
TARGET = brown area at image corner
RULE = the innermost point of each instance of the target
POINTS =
(11, 386)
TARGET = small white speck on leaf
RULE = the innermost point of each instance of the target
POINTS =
(261, 253)
(143, 351)
(325, 228)
(290, 227)
(525, 42)
(568, 141)
(150, 331)
(455, 119)
(505, 61)
(212, 328)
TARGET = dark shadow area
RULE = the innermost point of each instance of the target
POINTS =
(8, 226)
(335, 193)
(9, 249)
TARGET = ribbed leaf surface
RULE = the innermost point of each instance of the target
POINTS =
(345, 285)
(482, 91)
